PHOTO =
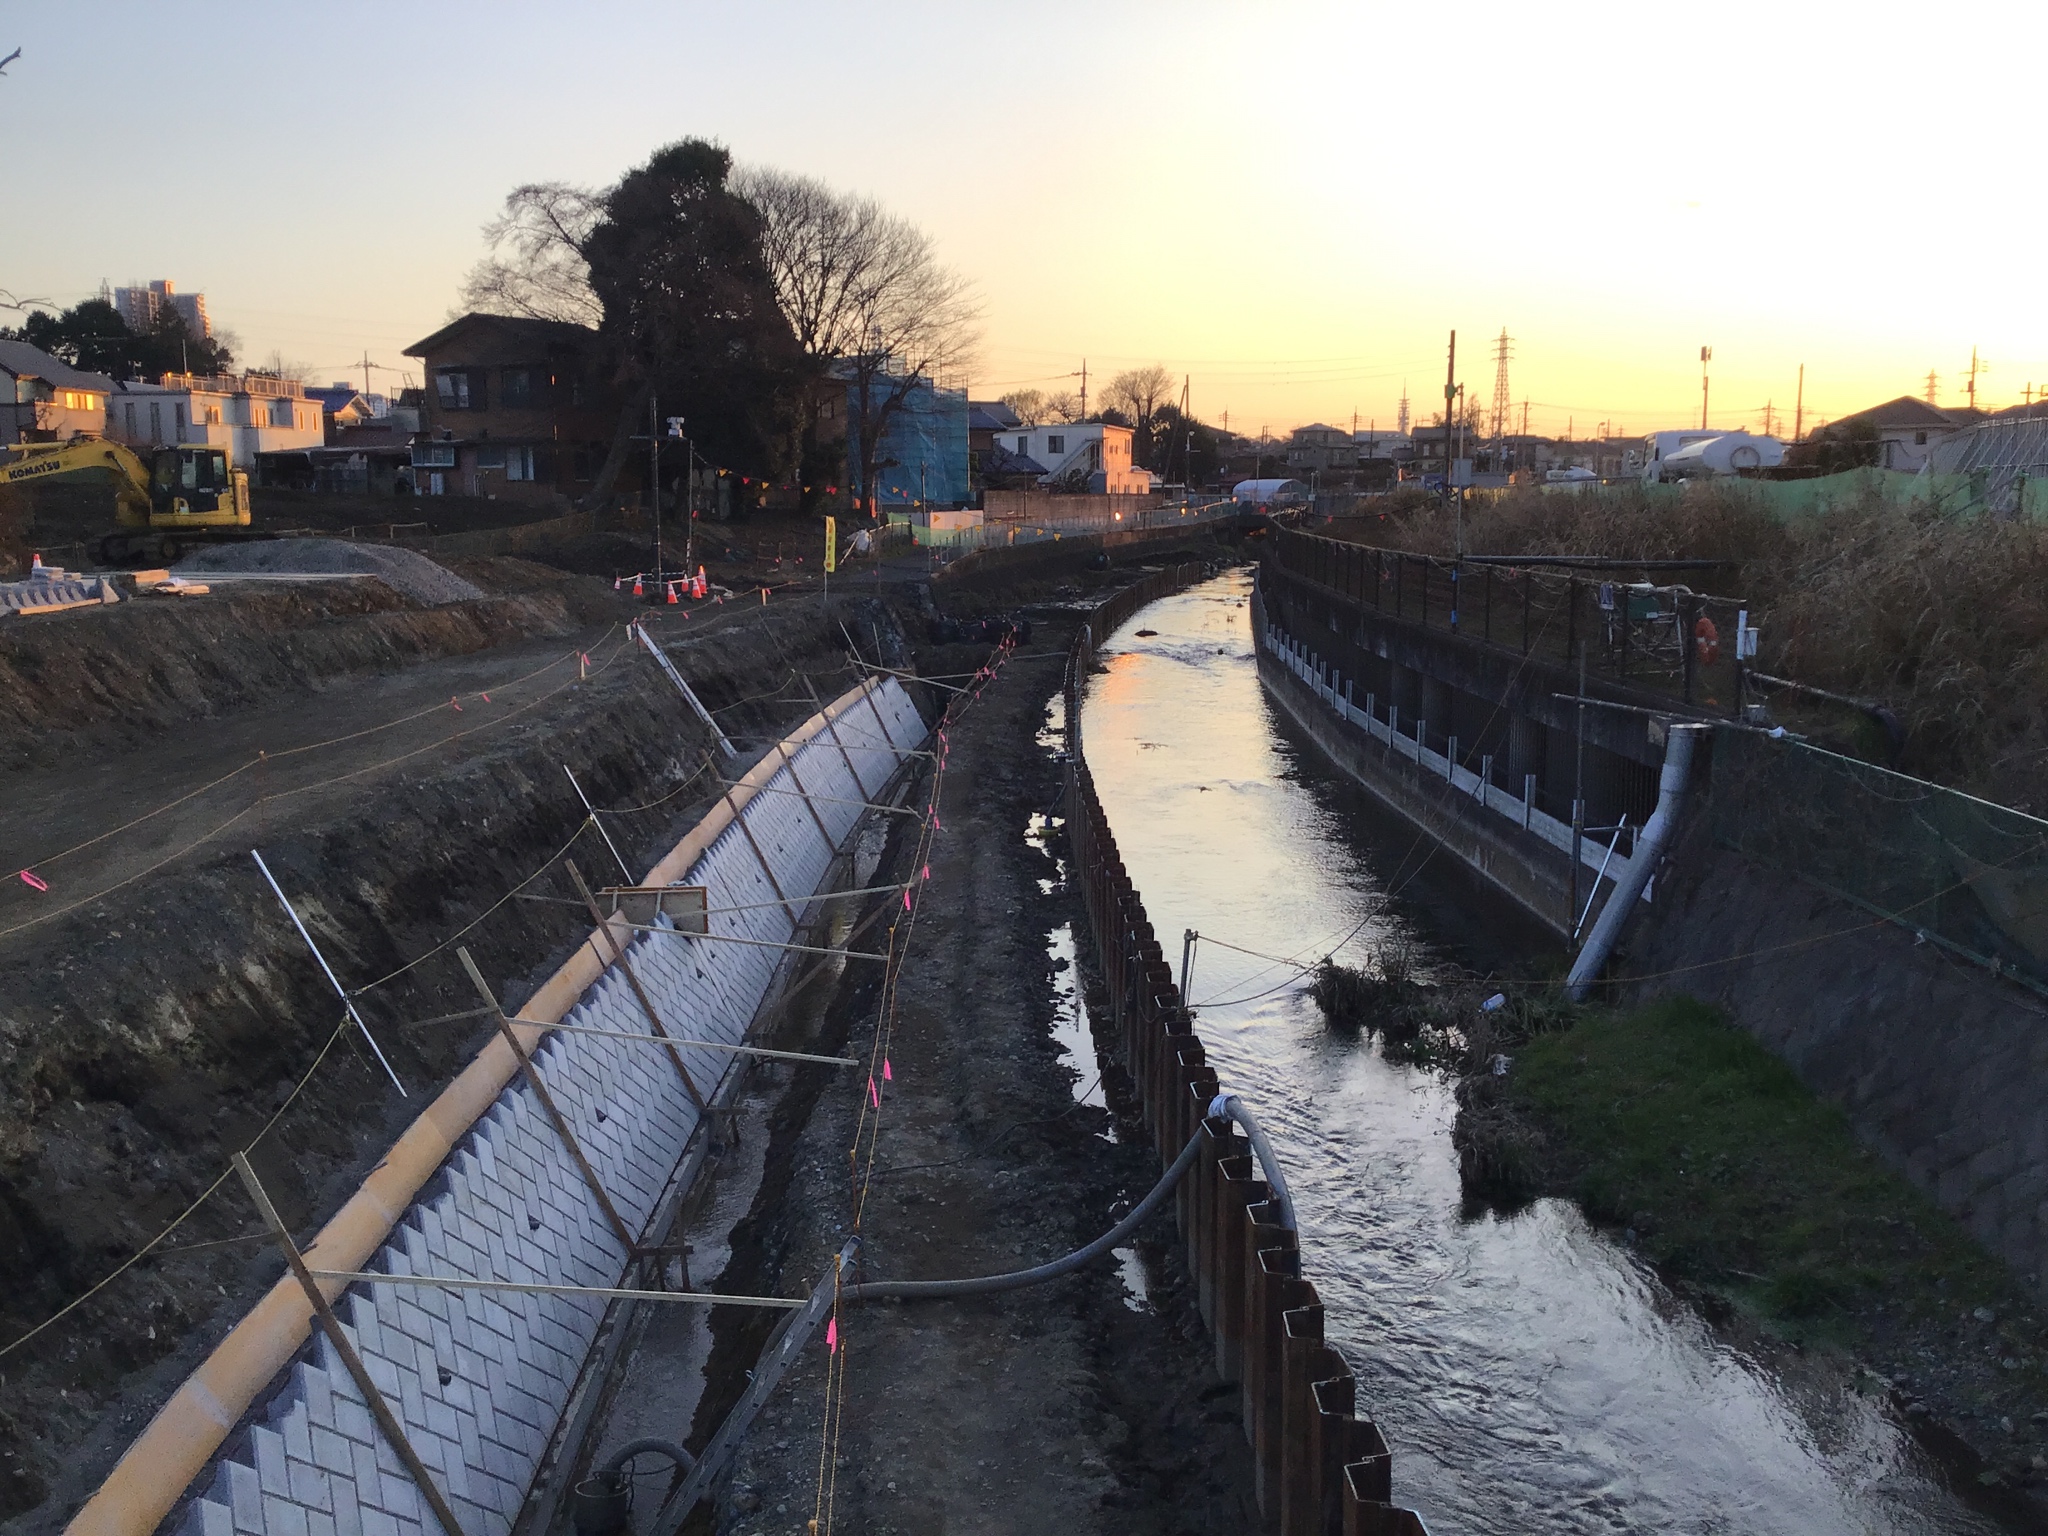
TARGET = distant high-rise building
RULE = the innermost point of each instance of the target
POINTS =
(140, 304)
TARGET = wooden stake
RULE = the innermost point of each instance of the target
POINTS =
(331, 1325)
(547, 1102)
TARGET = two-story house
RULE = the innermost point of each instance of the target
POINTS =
(43, 400)
(247, 414)
(1094, 455)
(512, 407)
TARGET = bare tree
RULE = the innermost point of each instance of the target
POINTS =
(867, 298)
(536, 266)
(1028, 404)
(1138, 393)
(1064, 405)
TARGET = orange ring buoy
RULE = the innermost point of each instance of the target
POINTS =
(1706, 641)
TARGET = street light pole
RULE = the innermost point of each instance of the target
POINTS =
(654, 474)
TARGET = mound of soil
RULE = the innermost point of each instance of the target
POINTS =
(405, 571)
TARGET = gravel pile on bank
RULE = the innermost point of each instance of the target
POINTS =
(409, 574)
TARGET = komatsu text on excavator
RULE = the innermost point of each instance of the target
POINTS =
(180, 498)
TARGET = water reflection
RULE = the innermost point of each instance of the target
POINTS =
(1529, 1374)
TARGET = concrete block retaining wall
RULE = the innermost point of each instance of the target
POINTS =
(479, 1378)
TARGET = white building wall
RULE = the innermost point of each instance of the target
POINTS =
(152, 416)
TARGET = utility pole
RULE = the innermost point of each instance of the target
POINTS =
(1706, 356)
(654, 474)
(1975, 368)
(1799, 412)
(1084, 389)
(1450, 403)
(366, 366)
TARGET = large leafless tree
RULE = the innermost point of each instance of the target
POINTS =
(535, 266)
(1138, 393)
(870, 303)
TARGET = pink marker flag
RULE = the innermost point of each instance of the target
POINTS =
(455, 703)
(874, 1095)
(927, 871)
(832, 1337)
(29, 878)
(487, 698)
(887, 1075)
(906, 901)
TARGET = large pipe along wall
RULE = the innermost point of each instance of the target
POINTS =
(1321, 1469)
(479, 1379)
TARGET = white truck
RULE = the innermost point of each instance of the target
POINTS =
(1695, 453)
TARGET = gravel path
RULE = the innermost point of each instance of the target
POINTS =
(405, 572)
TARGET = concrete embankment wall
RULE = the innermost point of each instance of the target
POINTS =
(1467, 743)
(1941, 1066)
(479, 1379)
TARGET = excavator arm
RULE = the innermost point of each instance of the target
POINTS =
(30, 462)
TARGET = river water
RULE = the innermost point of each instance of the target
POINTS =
(1527, 1372)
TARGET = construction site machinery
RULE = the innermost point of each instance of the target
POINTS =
(182, 497)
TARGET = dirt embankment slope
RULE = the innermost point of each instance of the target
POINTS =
(97, 680)
(1077, 1406)
(146, 1035)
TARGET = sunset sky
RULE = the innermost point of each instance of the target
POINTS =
(1292, 203)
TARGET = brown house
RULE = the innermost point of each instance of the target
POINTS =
(511, 407)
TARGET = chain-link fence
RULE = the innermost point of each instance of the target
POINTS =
(1965, 873)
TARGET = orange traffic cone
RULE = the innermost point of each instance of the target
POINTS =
(672, 598)
(636, 586)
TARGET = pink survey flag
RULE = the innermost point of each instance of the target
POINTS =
(832, 1337)
(30, 878)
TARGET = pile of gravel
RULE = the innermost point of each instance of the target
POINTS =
(405, 572)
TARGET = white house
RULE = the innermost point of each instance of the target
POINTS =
(248, 415)
(1093, 451)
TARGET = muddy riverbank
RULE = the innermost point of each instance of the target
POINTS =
(1084, 1405)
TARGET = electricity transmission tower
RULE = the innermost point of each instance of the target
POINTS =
(1401, 425)
(1932, 378)
(1503, 408)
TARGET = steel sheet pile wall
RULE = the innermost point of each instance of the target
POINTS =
(480, 1378)
(1321, 1469)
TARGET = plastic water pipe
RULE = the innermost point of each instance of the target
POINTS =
(1628, 889)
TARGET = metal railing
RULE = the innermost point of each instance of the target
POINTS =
(232, 384)
(1961, 872)
(1665, 638)
(1320, 1468)
(1004, 535)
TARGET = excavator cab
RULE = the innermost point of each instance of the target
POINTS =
(195, 488)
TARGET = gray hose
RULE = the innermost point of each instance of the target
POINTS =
(647, 1445)
(1228, 1106)
(907, 1290)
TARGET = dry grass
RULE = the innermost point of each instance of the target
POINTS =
(1944, 621)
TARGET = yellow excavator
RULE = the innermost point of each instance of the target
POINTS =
(182, 497)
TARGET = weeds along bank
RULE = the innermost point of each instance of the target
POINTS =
(1937, 617)
(146, 1035)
